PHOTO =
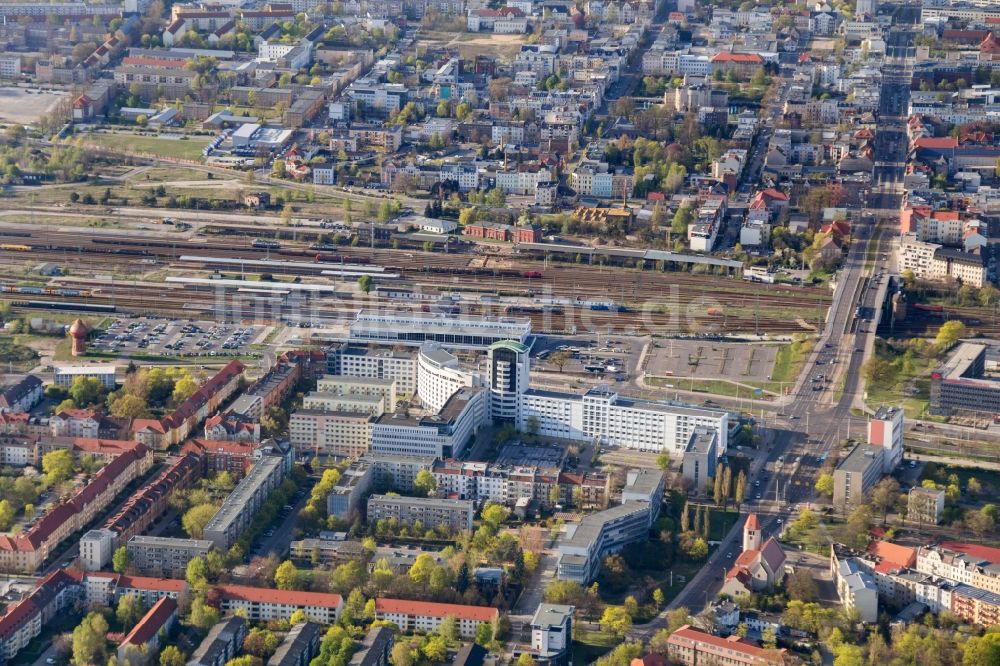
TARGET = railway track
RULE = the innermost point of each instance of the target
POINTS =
(669, 303)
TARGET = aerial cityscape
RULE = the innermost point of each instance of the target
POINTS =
(499, 332)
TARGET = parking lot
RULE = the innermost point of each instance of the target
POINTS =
(611, 358)
(162, 337)
(711, 360)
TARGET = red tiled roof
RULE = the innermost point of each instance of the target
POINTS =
(728, 56)
(936, 142)
(145, 61)
(62, 512)
(733, 643)
(432, 609)
(991, 555)
(151, 622)
(901, 556)
(289, 597)
(753, 522)
(148, 583)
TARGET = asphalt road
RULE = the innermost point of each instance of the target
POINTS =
(791, 461)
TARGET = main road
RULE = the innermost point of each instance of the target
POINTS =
(816, 421)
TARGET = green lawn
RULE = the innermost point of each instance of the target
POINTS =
(188, 149)
(589, 645)
(721, 522)
(790, 359)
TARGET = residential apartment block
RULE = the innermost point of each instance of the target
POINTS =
(431, 512)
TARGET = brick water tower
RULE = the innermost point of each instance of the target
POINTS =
(78, 332)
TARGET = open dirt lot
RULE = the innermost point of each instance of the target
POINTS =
(26, 106)
(707, 359)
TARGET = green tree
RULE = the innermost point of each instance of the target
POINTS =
(525, 659)
(424, 483)
(365, 283)
(449, 629)
(85, 391)
(203, 617)
(130, 610)
(119, 561)
(494, 515)
(90, 640)
(659, 598)
(422, 569)
(682, 219)
(949, 333)
(663, 461)
(183, 389)
(616, 621)
(195, 519)
(7, 514)
(196, 573)
(287, 576)
(435, 649)
(824, 484)
(58, 465)
(129, 406)
(261, 643)
(983, 649)
(171, 656)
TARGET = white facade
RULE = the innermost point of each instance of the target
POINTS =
(65, 376)
(402, 368)
(551, 629)
(439, 376)
(441, 436)
(96, 549)
(604, 416)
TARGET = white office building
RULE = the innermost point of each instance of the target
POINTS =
(451, 331)
(439, 376)
(104, 373)
(441, 435)
(603, 415)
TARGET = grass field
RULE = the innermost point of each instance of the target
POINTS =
(187, 149)
(589, 645)
(722, 387)
(790, 359)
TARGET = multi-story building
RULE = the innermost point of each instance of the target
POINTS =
(585, 544)
(382, 364)
(856, 588)
(552, 631)
(503, 484)
(694, 647)
(325, 433)
(299, 646)
(21, 395)
(175, 428)
(223, 642)
(924, 505)
(222, 455)
(28, 550)
(165, 557)
(439, 376)
(338, 402)
(348, 385)
(141, 509)
(885, 429)
(239, 508)
(509, 373)
(354, 485)
(259, 604)
(431, 512)
(615, 420)
(64, 376)
(96, 549)
(448, 330)
(376, 648)
(147, 633)
(23, 620)
(962, 385)
(398, 472)
(700, 456)
(857, 474)
(425, 616)
(441, 435)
